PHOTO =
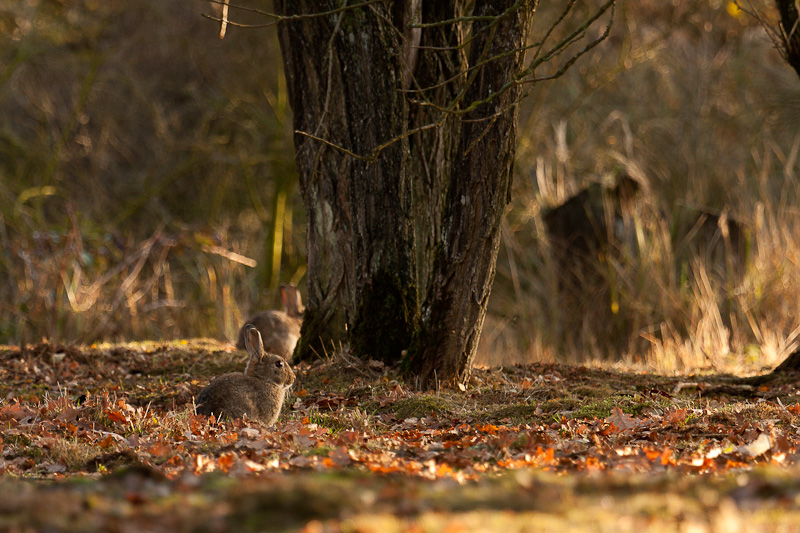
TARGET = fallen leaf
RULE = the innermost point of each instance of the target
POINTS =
(621, 421)
(758, 447)
(116, 416)
(226, 461)
(675, 417)
(341, 457)
(68, 415)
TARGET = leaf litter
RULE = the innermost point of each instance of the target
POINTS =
(105, 413)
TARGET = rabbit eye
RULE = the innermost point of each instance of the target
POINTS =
(278, 364)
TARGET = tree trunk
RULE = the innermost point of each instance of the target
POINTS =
(477, 195)
(423, 217)
(360, 223)
(433, 151)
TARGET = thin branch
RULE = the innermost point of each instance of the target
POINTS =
(457, 20)
(282, 18)
(229, 22)
(223, 26)
(279, 18)
(554, 25)
(489, 27)
(550, 54)
(336, 146)
(555, 52)
(524, 77)
(574, 37)
(375, 153)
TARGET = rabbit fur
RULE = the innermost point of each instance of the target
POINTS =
(257, 393)
(280, 330)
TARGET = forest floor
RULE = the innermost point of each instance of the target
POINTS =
(106, 438)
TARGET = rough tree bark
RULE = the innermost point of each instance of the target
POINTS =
(477, 195)
(365, 217)
(343, 73)
(433, 151)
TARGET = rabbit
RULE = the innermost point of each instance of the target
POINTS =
(257, 393)
(280, 330)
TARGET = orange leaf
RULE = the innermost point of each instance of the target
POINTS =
(675, 417)
(175, 460)
(443, 469)
(667, 458)
(593, 463)
(15, 411)
(159, 449)
(116, 416)
(621, 421)
(384, 469)
(341, 457)
(226, 461)
(545, 456)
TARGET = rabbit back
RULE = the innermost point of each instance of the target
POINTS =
(279, 332)
(236, 395)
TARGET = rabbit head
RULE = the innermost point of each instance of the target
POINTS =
(262, 365)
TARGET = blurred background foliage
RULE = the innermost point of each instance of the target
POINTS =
(137, 151)
(148, 188)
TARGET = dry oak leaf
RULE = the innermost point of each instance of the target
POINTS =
(341, 456)
(621, 421)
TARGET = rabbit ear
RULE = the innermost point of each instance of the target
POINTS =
(253, 342)
(291, 300)
(285, 300)
(254, 346)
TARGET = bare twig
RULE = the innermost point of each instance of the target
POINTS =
(278, 18)
(525, 77)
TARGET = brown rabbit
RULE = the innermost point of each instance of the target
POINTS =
(257, 393)
(280, 330)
